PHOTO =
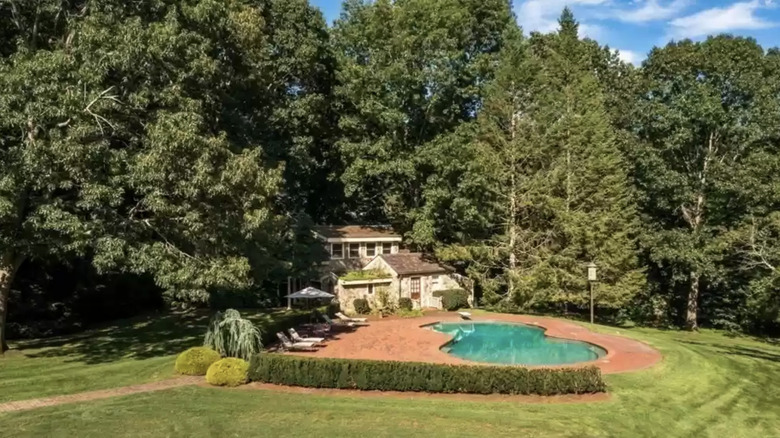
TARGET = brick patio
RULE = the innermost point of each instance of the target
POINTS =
(406, 340)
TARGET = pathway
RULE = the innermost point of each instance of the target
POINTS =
(23, 405)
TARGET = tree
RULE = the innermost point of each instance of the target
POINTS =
(117, 142)
(409, 71)
(554, 184)
(705, 110)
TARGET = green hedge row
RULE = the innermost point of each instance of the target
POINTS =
(453, 299)
(421, 377)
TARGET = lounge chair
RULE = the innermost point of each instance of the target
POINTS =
(344, 317)
(287, 344)
(339, 323)
(298, 338)
(465, 315)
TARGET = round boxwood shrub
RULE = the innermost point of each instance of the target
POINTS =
(196, 361)
(230, 371)
(405, 303)
(361, 306)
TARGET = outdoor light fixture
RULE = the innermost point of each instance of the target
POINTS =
(591, 279)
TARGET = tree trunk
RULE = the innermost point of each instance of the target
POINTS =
(8, 266)
(691, 318)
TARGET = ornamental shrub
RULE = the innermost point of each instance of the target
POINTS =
(453, 299)
(422, 377)
(361, 306)
(405, 303)
(230, 371)
(196, 361)
(233, 336)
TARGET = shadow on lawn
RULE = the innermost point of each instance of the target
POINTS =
(153, 335)
(739, 350)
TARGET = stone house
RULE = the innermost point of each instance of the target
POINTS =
(364, 259)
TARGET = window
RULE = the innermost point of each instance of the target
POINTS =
(435, 280)
(370, 249)
(387, 248)
(354, 250)
(337, 251)
(371, 289)
(414, 288)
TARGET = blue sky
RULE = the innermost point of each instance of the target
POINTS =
(635, 26)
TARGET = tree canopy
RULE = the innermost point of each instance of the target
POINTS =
(196, 142)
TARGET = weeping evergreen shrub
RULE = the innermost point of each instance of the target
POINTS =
(233, 336)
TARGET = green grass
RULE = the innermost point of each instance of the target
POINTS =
(368, 274)
(127, 352)
(708, 385)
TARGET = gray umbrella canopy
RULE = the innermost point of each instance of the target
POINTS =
(310, 292)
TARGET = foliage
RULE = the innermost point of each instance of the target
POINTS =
(364, 274)
(233, 336)
(361, 306)
(405, 303)
(196, 361)
(408, 72)
(229, 371)
(368, 375)
(409, 313)
(384, 301)
(453, 299)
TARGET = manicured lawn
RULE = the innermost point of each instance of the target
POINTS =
(127, 352)
(708, 385)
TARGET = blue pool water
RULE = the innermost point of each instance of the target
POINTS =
(513, 344)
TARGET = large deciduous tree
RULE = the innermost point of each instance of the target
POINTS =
(409, 71)
(128, 133)
(706, 111)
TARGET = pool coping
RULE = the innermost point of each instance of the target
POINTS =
(406, 340)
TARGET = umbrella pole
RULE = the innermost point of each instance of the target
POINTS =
(289, 291)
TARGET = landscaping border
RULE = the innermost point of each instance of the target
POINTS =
(373, 375)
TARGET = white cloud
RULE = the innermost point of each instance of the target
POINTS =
(653, 10)
(629, 56)
(542, 15)
(738, 16)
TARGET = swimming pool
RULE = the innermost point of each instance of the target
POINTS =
(513, 344)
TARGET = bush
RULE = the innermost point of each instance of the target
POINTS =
(361, 306)
(427, 377)
(196, 361)
(453, 299)
(233, 336)
(229, 371)
(405, 303)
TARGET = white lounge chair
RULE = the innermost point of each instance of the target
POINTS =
(338, 323)
(344, 317)
(465, 315)
(298, 338)
(287, 344)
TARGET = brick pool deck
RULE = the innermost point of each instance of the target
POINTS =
(404, 339)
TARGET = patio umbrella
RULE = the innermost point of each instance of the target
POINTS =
(307, 294)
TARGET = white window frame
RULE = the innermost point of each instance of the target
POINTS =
(371, 245)
(349, 250)
(387, 245)
(332, 255)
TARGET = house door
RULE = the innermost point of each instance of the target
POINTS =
(414, 288)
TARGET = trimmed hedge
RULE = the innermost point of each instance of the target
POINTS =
(453, 299)
(405, 303)
(361, 306)
(196, 361)
(421, 377)
(230, 371)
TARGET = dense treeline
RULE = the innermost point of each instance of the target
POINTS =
(192, 143)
